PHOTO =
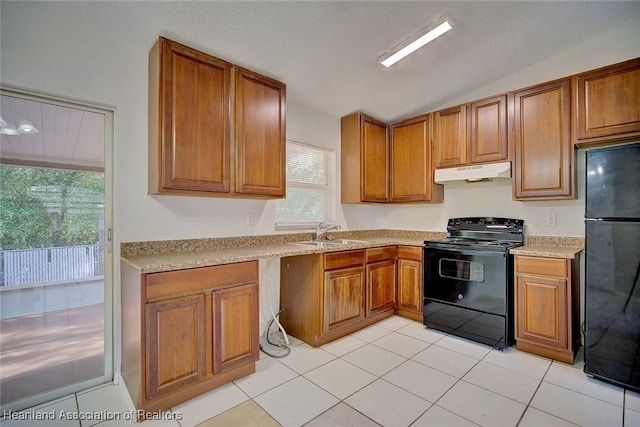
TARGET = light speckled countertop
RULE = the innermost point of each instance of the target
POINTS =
(150, 257)
(551, 247)
(167, 255)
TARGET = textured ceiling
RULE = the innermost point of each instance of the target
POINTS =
(326, 51)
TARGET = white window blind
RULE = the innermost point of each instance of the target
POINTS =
(309, 187)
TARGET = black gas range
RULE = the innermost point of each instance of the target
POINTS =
(468, 279)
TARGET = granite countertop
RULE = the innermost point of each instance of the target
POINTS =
(168, 255)
(151, 257)
(551, 247)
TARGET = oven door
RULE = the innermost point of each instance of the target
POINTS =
(467, 277)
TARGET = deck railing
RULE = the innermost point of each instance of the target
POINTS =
(46, 265)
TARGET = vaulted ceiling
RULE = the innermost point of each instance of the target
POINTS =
(326, 51)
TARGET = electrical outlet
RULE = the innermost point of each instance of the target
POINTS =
(551, 220)
(250, 218)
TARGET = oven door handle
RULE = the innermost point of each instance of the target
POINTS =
(496, 254)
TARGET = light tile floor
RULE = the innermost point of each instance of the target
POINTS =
(394, 373)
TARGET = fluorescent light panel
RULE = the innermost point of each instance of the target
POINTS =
(414, 43)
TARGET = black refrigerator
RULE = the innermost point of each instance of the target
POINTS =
(612, 282)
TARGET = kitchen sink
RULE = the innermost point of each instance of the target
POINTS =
(330, 243)
(349, 241)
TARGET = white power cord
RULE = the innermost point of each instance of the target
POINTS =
(274, 315)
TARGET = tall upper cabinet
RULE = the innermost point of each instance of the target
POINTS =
(202, 140)
(411, 162)
(260, 134)
(607, 104)
(364, 166)
(544, 154)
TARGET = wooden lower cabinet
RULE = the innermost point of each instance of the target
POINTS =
(324, 296)
(381, 279)
(546, 306)
(343, 297)
(187, 331)
(176, 344)
(235, 327)
(409, 283)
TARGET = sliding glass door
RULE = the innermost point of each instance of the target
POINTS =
(55, 254)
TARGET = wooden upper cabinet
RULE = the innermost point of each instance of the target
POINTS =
(411, 162)
(188, 120)
(472, 133)
(260, 134)
(364, 157)
(543, 150)
(608, 103)
(202, 140)
(450, 137)
(488, 140)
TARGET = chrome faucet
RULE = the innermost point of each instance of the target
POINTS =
(323, 228)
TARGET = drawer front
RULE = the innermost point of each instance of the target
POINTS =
(410, 252)
(343, 259)
(169, 283)
(556, 267)
(380, 254)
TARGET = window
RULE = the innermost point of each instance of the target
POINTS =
(310, 182)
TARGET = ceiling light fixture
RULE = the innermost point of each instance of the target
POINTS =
(9, 130)
(416, 41)
(25, 127)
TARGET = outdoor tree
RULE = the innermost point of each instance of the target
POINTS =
(49, 207)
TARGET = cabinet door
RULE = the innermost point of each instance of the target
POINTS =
(235, 326)
(410, 162)
(260, 134)
(450, 137)
(488, 125)
(543, 149)
(175, 344)
(381, 286)
(193, 108)
(343, 297)
(374, 160)
(410, 285)
(541, 307)
(609, 102)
